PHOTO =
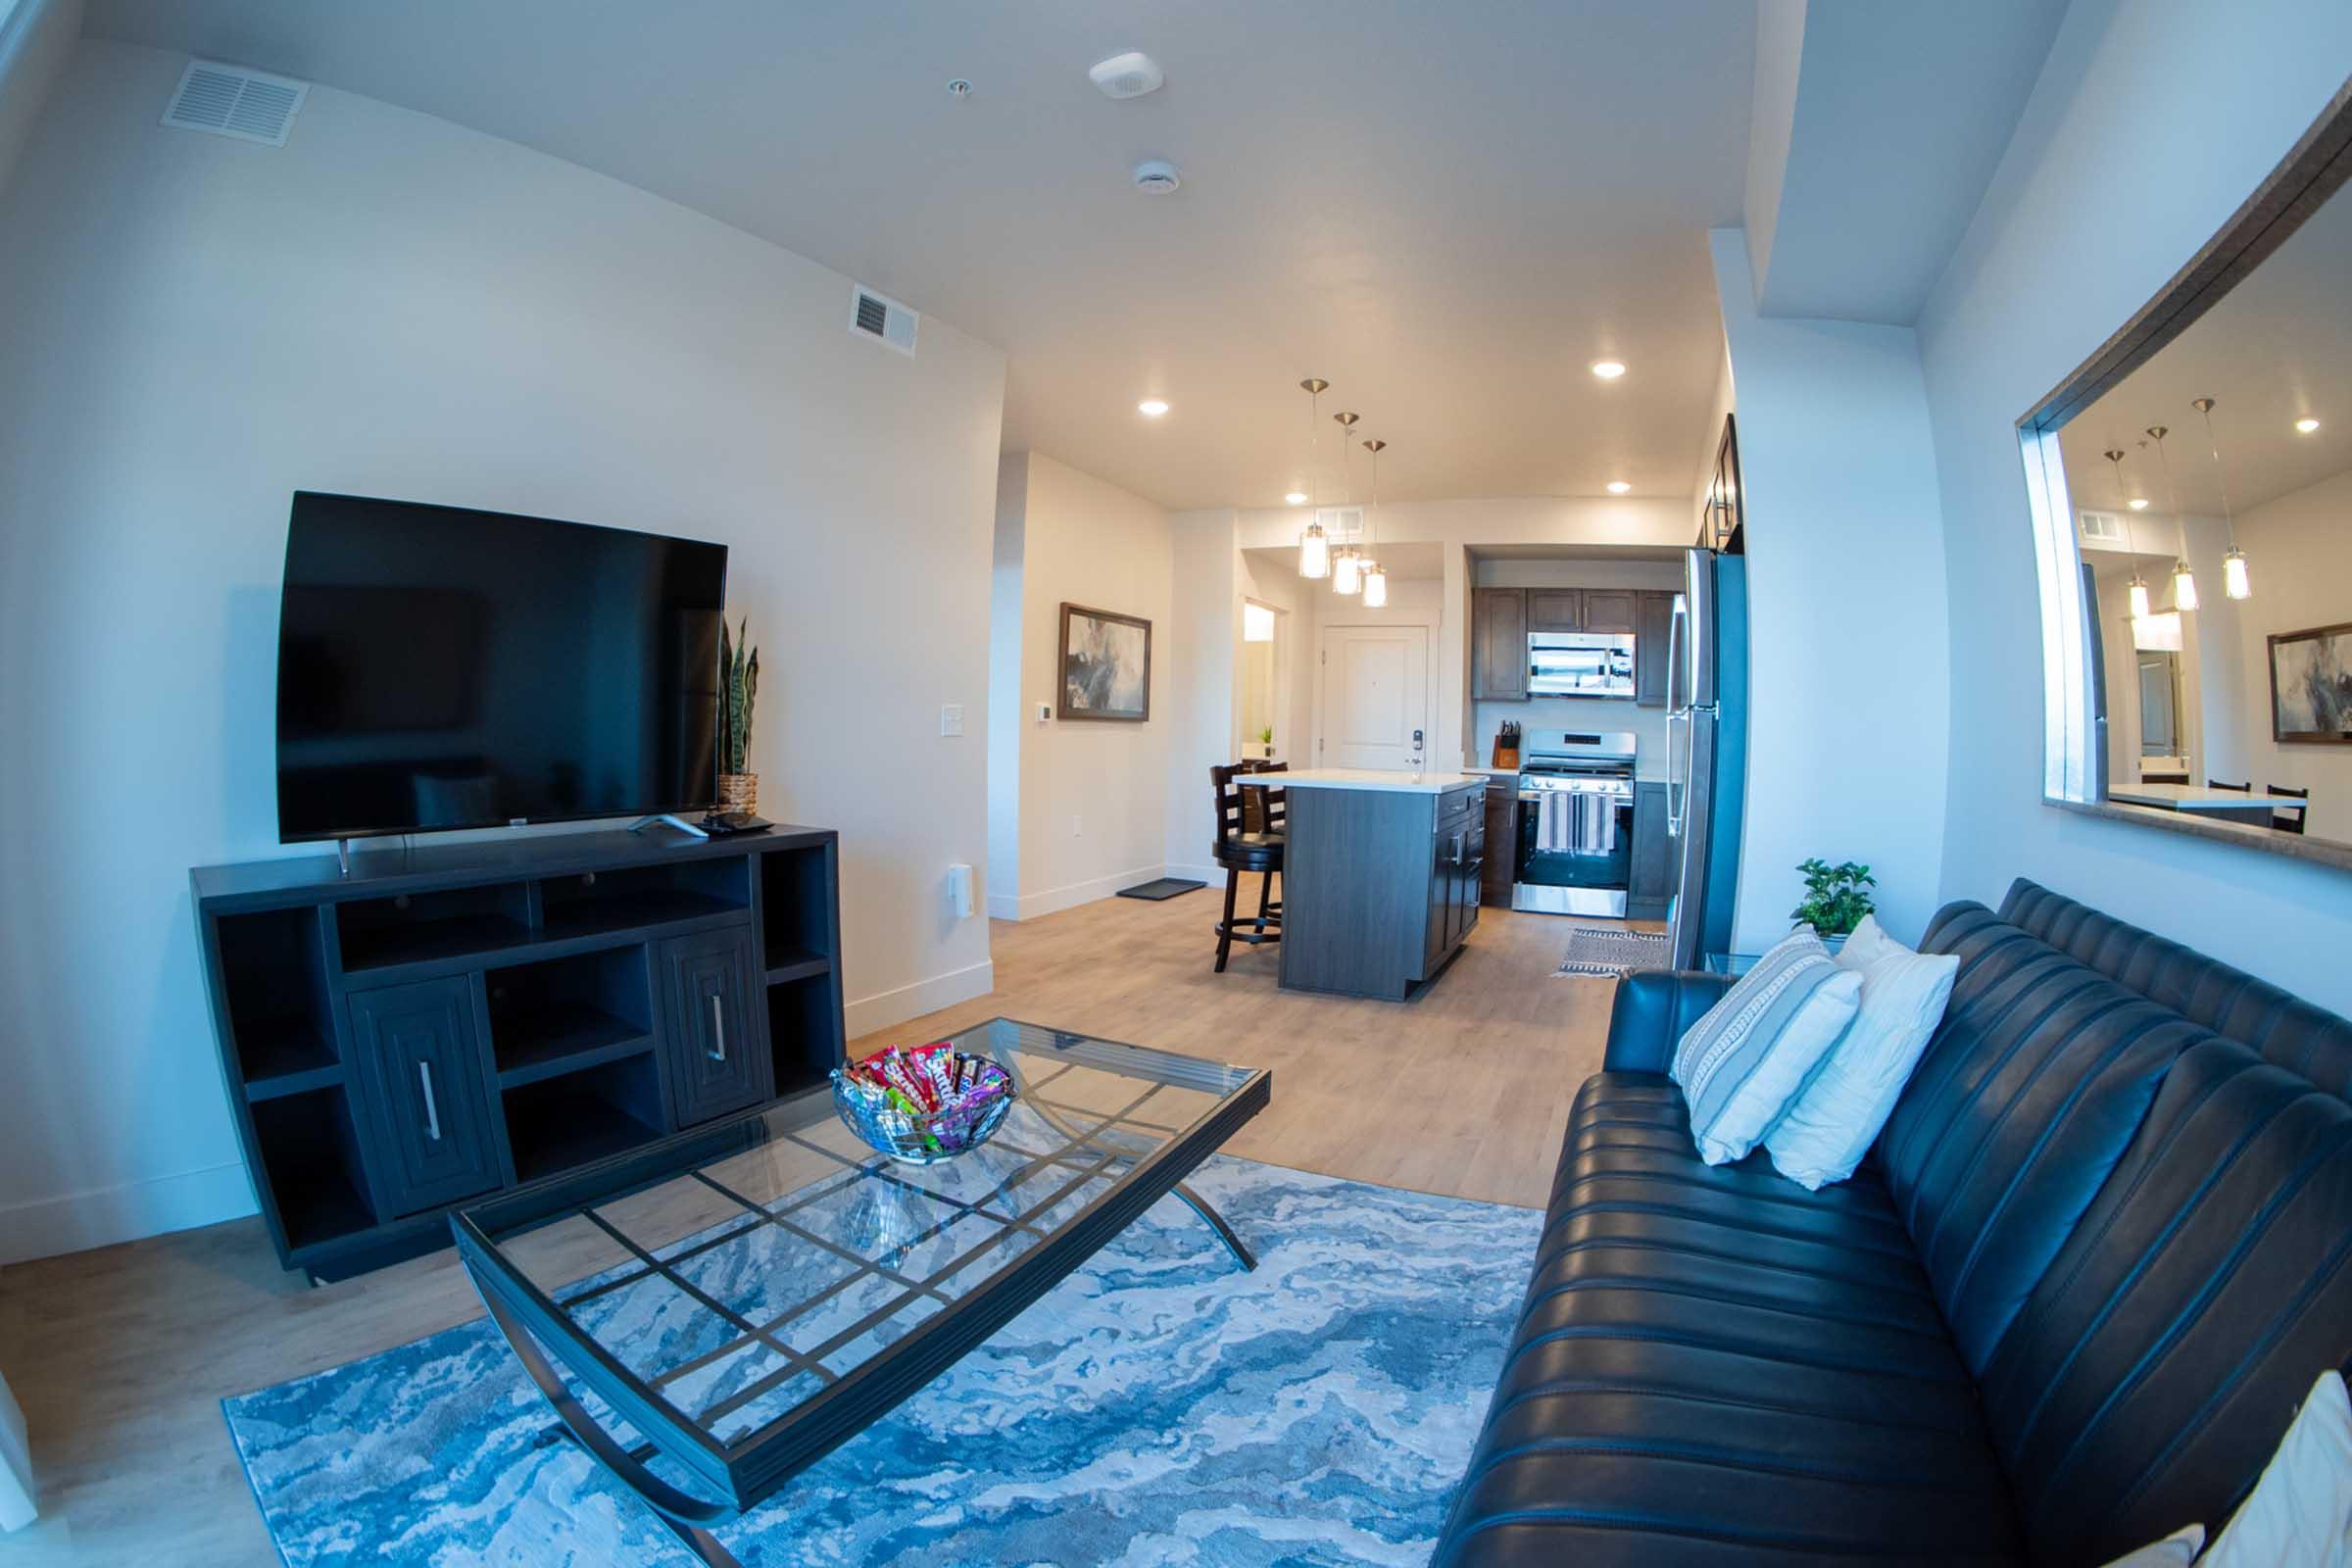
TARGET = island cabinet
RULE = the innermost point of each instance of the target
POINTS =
(451, 1020)
(1381, 880)
(1651, 879)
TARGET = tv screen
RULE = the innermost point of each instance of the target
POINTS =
(440, 667)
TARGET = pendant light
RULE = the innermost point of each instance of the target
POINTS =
(1347, 562)
(2234, 582)
(1376, 581)
(2139, 584)
(2184, 586)
(1314, 550)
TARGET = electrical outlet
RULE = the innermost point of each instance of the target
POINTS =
(951, 718)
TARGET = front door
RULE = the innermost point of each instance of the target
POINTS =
(1374, 700)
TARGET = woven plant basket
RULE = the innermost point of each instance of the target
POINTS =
(738, 792)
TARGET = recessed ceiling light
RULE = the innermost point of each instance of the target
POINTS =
(2139, 503)
(1296, 498)
(2305, 427)
(1618, 487)
(1607, 369)
(1152, 407)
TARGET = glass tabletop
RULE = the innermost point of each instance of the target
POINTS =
(791, 1255)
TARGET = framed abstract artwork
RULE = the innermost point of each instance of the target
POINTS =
(1105, 666)
(2311, 685)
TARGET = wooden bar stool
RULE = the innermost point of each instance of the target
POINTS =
(2290, 819)
(1249, 838)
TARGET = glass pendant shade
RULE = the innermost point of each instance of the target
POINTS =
(2139, 599)
(1347, 574)
(2184, 587)
(2234, 582)
(1314, 552)
(1376, 586)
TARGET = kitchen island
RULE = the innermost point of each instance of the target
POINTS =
(1380, 878)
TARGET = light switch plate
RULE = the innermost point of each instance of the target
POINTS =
(1045, 712)
(951, 718)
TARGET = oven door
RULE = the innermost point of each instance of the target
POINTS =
(1579, 664)
(1590, 865)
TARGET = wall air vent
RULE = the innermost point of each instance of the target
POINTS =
(2102, 527)
(232, 101)
(877, 315)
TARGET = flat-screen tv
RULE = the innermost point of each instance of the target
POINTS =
(440, 667)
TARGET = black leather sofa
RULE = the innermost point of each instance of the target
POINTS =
(2068, 1304)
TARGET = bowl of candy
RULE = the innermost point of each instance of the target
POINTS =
(924, 1104)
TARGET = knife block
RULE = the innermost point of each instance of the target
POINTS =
(1504, 756)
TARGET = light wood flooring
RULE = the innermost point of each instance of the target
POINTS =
(120, 1357)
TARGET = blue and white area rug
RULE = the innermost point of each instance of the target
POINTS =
(1159, 1407)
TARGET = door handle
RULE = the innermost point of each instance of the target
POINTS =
(718, 1028)
(432, 1112)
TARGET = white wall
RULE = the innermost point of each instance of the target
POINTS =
(1092, 795)
(1008, 718)
(1849, 682)
(2299, 552)
(1206, 584)
(391, 305)
(2105, 149)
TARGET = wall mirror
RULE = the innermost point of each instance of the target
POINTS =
(2192, 510)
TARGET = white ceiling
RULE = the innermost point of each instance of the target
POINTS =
(1448, 211)
(2275, 349)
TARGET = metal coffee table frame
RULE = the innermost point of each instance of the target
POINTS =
(729, 1478)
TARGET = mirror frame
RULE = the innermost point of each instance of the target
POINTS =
(2074, 745)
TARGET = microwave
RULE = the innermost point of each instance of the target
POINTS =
(1580, 664)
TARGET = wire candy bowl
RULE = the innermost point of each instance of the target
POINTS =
(923, 1140)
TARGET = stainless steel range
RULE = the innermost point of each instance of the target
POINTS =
(1575, 853)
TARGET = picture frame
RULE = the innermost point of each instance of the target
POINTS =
(1103, 667)
(2311, 686)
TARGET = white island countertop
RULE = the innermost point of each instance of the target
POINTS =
(1359, 778)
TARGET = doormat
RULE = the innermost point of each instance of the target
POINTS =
(1160, 887)
(1614, 955)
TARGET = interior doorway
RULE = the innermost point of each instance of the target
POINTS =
(1372, 696)
(1261, 715)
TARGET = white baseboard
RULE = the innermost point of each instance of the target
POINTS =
(74, 1222)
(1054, 900)
(866, 1014)
(1004, 907)
(1213, 875)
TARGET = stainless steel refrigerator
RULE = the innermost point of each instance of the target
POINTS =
(1706, 751)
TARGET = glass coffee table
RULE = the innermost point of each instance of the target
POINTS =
(712, 1314)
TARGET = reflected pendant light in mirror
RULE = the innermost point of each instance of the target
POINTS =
(2139, 584)
(2234, 582)
(1314, 550)
(1347, 562)
(2185, 585)
(1376, 580)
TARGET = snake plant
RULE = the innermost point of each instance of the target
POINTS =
(739, 684)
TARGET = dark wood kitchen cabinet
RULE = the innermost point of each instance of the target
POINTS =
(1503, 841)
(1555, 610)
(1653, 620)
(1609, 609)
(1650, 882)
(1498, 645)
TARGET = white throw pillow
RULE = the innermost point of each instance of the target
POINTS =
(1833, 1123)
(1740, 1066)
(2300, 1511)
(2175, 1550)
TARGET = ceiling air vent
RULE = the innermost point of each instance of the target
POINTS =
(2103, 527)
(232, 101)
(877, 315)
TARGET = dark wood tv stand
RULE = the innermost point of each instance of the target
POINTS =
(445, 1021)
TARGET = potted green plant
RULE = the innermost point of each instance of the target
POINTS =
(1265, 739)
(1836, 898)
(738, 685)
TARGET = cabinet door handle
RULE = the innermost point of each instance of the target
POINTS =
(718, 1028)
(432, 1112)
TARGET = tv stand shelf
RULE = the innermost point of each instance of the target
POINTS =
(445, 1021)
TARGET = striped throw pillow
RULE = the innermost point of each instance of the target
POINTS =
(1744, 1064)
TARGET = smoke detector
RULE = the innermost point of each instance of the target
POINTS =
(1128, 76)
(1156, 176)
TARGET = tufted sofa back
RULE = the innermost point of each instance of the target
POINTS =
(2127, 1168)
